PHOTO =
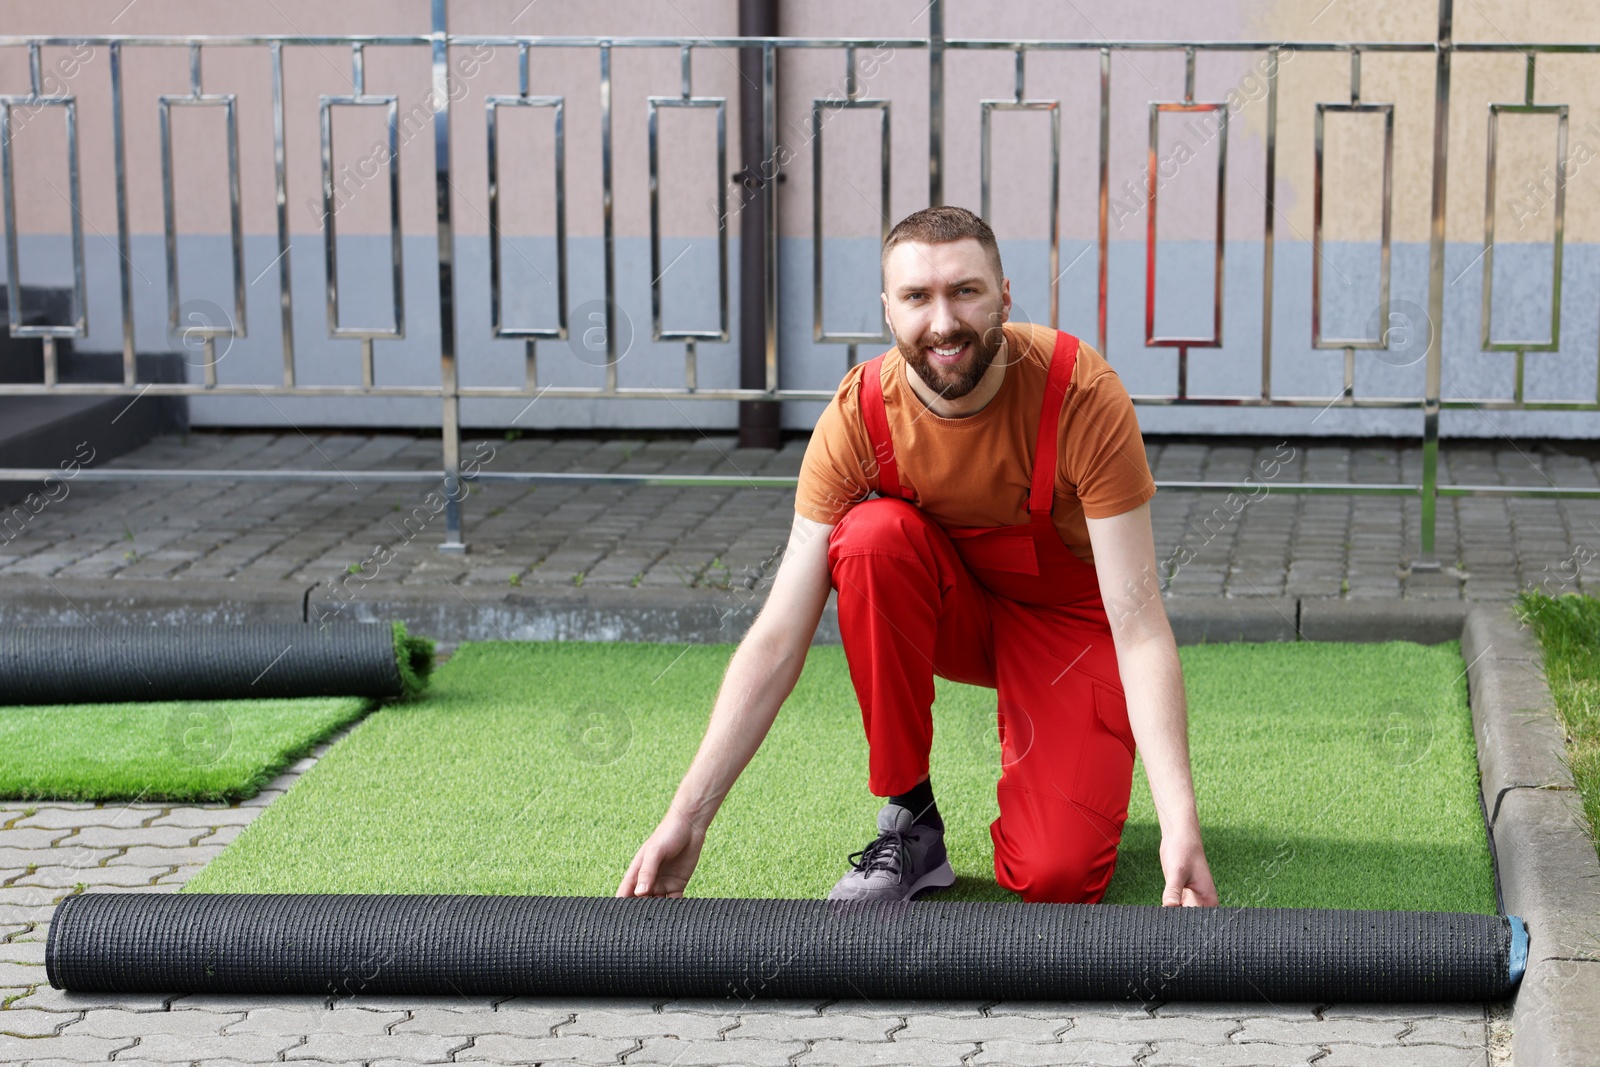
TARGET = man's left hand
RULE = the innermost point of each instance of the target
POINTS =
(1183, 862)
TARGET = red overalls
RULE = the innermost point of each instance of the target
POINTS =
(1007, 607)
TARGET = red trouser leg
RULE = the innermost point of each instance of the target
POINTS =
(1066, 755)
(1066, 749)
(908, 609)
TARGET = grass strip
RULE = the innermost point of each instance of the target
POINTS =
(1327, 775)
(181, 750)
(1568, 628)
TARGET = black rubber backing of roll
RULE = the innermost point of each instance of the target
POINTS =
(94, 664)
(708, 947)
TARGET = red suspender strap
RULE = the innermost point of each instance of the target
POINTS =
(876, 417)
(1045, 451)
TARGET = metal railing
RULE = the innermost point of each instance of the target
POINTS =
(450, 391)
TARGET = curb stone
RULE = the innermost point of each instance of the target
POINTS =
(455, 613)
(699, 616)
(1201, 620)
(1428, 622)
(66, 602)
(1544, 858)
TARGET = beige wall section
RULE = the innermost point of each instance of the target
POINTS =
(851, 204)
(1527, 144)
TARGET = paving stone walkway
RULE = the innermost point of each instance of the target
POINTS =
(1257, 543)
(700, 541)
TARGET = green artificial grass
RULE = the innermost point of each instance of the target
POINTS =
(414, 655)
(198, 750)
(1328, 775)
(1568, 628)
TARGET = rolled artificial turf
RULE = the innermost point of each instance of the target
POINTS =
(166, 750)
(1326, 776)
(91, 664)
(575, 946)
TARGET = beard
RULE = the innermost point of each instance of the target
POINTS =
(953, 382)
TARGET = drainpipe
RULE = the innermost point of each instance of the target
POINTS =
(759, 420)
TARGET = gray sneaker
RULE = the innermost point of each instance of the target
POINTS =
(905, 859)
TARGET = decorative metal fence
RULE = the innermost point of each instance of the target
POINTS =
(450, 391)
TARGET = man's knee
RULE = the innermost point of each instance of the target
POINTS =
(1064, 877)
(1053, 851)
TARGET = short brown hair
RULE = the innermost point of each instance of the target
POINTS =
(941, 225)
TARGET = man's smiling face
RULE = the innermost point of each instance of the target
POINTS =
(945, 305)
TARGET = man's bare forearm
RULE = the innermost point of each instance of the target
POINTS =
(759, 678)
(1152, 681)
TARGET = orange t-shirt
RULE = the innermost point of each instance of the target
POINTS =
(977, 470)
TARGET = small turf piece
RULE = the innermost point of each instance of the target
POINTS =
(186, 751)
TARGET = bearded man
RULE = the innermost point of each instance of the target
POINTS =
(977, 496)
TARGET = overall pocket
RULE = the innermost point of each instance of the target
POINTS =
(1011, 553)
(1104, 780)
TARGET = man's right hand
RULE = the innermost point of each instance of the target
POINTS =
(663, 864)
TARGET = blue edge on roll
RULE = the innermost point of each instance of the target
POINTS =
(1519, 948)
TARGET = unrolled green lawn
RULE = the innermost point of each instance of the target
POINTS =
(1327, 775)
(161, 750)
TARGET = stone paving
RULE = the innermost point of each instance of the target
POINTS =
(1259, 542)
(699, 540)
